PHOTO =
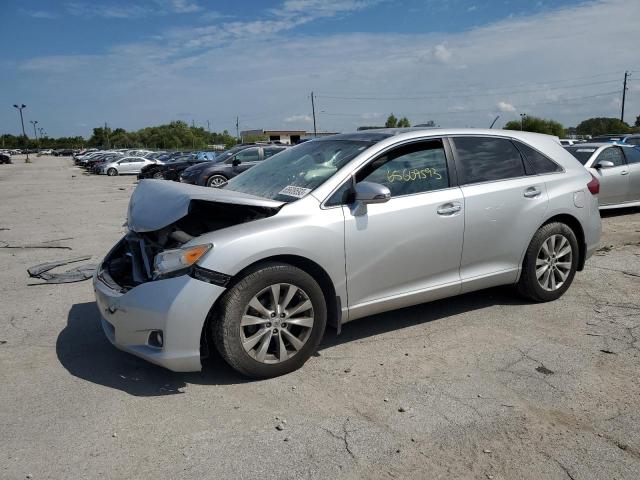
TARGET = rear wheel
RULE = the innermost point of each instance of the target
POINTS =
(550, 263)
(216, 181)
(270, 322)
(112, 172)
(158, 175)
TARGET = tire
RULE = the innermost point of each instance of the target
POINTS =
(228, 333)
(157, 175)
(542, 284)
(112, 172)
(216, 181)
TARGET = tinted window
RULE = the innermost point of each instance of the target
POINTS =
(582, 154)
(613, 154)
(633, 141)
(271, 151)
(632, 154)
(538, 161)
(483, 159)
(248, 155)
(415, 168)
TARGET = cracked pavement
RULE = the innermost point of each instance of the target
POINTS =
(480, 386)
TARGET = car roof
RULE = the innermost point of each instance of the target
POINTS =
(601, 144)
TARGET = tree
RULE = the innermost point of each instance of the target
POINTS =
(637, 124)
(392, 121)
(601, 126)
(538, 125)
(404, 123)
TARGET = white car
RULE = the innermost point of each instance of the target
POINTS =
(125, 166)
(617, 168)
(567, 142)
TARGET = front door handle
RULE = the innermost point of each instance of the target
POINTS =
(449, 209)
(532, 192)
(624, 172)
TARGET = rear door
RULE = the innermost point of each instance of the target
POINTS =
(614, 181)
(632, 156)
(503, 208)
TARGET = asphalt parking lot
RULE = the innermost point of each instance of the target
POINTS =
(480, 386)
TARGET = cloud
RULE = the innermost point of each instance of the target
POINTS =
(264, 67)
(298, 119)
(39, 14)
(506, 107)
(128, 10)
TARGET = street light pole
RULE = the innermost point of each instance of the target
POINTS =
(35, 133)
(522, 115)
(20, 108)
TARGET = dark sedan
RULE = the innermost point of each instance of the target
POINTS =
(169, 169)
(228, 165)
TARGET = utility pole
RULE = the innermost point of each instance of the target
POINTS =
(624, 94)
(522, 115)
(106, 134)
(208, 126)
(313, 110)
(494, 121)
(20, 108)
(238, 129)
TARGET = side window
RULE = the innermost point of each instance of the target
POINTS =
(248, 155)
(416, 168)
(271, 151)
(633, 141)
(632, 154)
(612, 154)
(484, 159)
(538, 161)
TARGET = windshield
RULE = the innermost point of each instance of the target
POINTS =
(583, 154)
(295, 172)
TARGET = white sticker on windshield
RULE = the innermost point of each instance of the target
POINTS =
(294, 191)
(588, 150)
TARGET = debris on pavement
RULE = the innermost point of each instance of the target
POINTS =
(77, 274)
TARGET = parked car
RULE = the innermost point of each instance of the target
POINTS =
(565, 142)
(340, 228)
(125, 166)
(617, 168)
(5, 158)
(625, 139)
(63, 152)
(169, 169)
(229, 164)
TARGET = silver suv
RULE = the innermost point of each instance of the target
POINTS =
(340, 228)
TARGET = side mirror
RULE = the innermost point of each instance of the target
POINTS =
(604, 164)
(369, 192)
(236, 162)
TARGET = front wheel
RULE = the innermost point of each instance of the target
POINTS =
(550, 263)
(216, 181)
(270, 322)
(112, 172)
(158, 175)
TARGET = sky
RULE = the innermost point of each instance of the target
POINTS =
(136, 63)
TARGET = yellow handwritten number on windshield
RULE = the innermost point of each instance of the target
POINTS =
(406, 175)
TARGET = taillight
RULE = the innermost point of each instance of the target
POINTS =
(593, 185)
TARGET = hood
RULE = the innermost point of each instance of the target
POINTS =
(198, 167)
(156, 204)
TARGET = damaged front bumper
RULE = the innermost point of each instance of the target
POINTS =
(177, 307)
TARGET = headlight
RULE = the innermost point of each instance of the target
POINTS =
(179, 259)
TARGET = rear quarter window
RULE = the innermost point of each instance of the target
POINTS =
(538, 162)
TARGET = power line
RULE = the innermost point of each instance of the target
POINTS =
(469, 95)
(465, 111)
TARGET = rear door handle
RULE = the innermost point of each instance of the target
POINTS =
(624, 172)
(532, 192)
(449, 209)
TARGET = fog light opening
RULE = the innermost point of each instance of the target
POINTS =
(156, 339)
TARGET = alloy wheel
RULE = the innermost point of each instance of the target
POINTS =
(217, 181)
(276, 323)
(553, 263)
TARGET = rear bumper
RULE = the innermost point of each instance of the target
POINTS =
(177, 306)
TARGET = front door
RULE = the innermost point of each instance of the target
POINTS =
(407, 250)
